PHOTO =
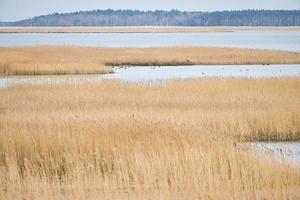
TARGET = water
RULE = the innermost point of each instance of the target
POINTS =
(282, 152)
(142, 74)
(260, 39)
(203, 71)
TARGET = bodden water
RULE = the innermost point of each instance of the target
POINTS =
(158, 74)
(261, 39)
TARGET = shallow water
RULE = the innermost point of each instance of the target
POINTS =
(203, 71)
(281, 152)
(144, 74)
(261, 39)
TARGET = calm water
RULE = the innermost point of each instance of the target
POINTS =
(282, 152)
(278, 40)
(142, 74)
(203, 71)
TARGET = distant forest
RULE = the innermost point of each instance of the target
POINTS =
(165, 18)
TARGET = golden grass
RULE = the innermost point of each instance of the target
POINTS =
(86, 60)
(124, 141)
(140, 29)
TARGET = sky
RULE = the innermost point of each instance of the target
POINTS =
(12, 10)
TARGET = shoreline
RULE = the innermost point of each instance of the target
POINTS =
(143, 29)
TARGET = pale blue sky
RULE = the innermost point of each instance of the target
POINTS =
(11, 10)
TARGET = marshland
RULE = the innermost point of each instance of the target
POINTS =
(56, 60)
(181, 138)
(150, 112)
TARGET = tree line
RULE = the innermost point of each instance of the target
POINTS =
(165, 18)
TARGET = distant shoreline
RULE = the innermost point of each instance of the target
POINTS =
(143, 29)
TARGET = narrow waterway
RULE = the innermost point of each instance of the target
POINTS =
(156, 73)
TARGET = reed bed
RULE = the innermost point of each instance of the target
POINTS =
(50, 60)
(176, 140)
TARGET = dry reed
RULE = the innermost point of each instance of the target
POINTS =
(45, 60)
(123, 141)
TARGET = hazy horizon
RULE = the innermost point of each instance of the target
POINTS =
(13, 10)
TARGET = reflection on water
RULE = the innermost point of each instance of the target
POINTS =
(155, 73)
(261, 39)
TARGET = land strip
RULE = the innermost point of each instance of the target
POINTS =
(141, 29)
(55, 60)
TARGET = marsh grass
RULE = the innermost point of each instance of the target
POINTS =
(138, 141)
(47, 60)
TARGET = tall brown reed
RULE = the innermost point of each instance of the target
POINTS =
(85, 60)
(171, 141)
